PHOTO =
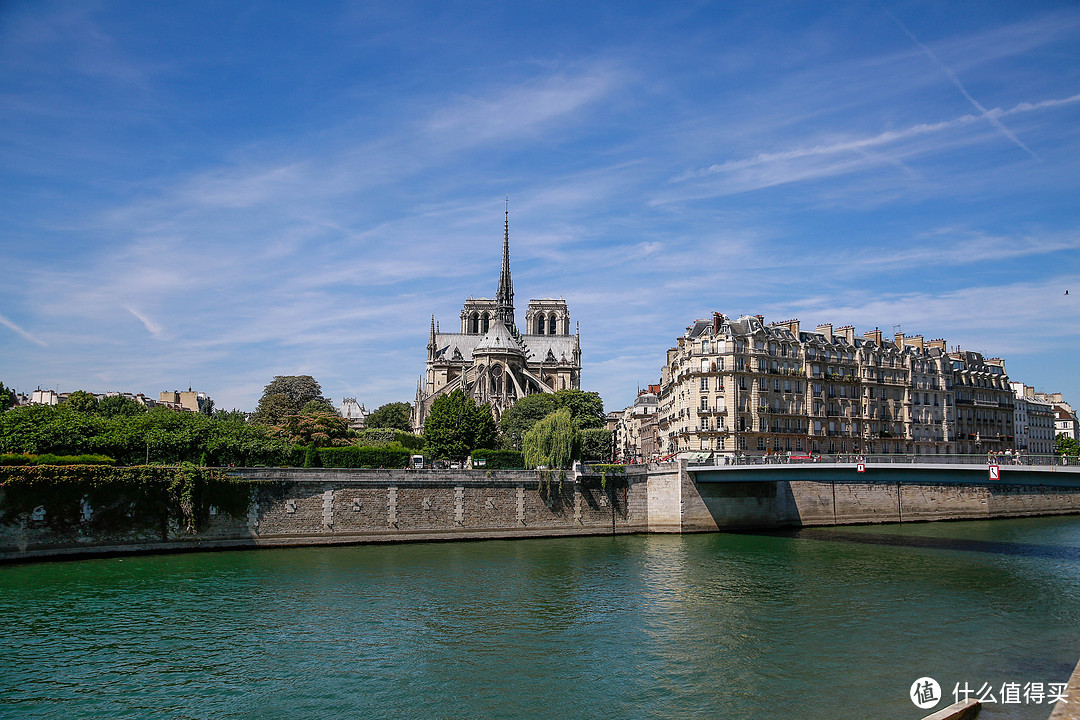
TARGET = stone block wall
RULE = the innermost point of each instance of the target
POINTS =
(303, 507)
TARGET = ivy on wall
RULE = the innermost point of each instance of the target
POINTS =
(113, 500)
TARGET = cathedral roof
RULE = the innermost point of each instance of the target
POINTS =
(458, 346)
(499, 339)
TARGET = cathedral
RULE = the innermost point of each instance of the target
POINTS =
(491, 360)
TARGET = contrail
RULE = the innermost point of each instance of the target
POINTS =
(963, 91)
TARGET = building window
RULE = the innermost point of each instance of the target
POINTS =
(761, 443)
(704, 383)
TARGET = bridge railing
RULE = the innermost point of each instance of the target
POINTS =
(889, 459)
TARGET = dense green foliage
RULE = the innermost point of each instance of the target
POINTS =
(120, 499)
(520, 417)
(457, 425)
(82, 401)
(1066, 447)
(596, 444)
(381, 437)
(499, 459)
(48, 459)
(288, 395)
(554, 442)
(363, 457)
(316, 428)
(157, 436)
(586, 409)
(7, 397)
(116, 405)
(396, 415)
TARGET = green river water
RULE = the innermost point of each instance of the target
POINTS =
(829, 623)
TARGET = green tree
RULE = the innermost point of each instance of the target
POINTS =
(7, 397)
(554, 442)
(286, 395)
(457, 425)
(319, 406)
(82, 401)
(520, 417)
(318, 429)
(1065, 446)
(596, 445)
(233, 415)
(396, 415)
(586, 409)
(118, 405)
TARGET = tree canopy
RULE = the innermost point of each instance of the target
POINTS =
(554, 442)
(118, 405)
(7, 397)
(159, 435)
(1066, 446)
(287, 395)
(316, 429)
(586, 410)
(82, 401)
(396, 415)
(457, 425)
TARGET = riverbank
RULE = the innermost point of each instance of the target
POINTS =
(300, 507)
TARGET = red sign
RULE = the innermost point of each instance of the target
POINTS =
(861, 467)
(995, 472)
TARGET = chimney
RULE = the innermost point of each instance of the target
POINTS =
(848, 332)
(916, 341)
(792, 326)
(717, 318)
(873, 336)
(938, 343)
(898, 339)
(825, 330)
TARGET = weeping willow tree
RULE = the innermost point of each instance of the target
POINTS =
(554, 442)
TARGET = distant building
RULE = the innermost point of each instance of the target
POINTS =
(1033, 421)
(47, 397)
(635, 435)
(354, 413)
(189, 400)
(491, 360)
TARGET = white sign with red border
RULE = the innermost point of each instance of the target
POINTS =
(860, 467)
(995, 472)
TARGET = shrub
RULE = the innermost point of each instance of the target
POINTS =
(50, 459)
(499, 459)
(364, 457)
(383, 437)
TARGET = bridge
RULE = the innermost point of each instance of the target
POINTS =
(693, 497)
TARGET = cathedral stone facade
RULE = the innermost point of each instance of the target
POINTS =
(494, 362)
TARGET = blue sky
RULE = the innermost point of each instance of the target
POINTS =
(210, 194)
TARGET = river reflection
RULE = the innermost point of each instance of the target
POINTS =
(815, 624)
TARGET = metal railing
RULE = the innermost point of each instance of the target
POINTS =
(795, 458)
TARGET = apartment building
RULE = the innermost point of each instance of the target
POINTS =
(741, 386)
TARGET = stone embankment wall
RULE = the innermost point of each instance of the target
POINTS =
(318, 507)
(321, 507)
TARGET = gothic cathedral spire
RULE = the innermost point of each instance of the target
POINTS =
(505, 295)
